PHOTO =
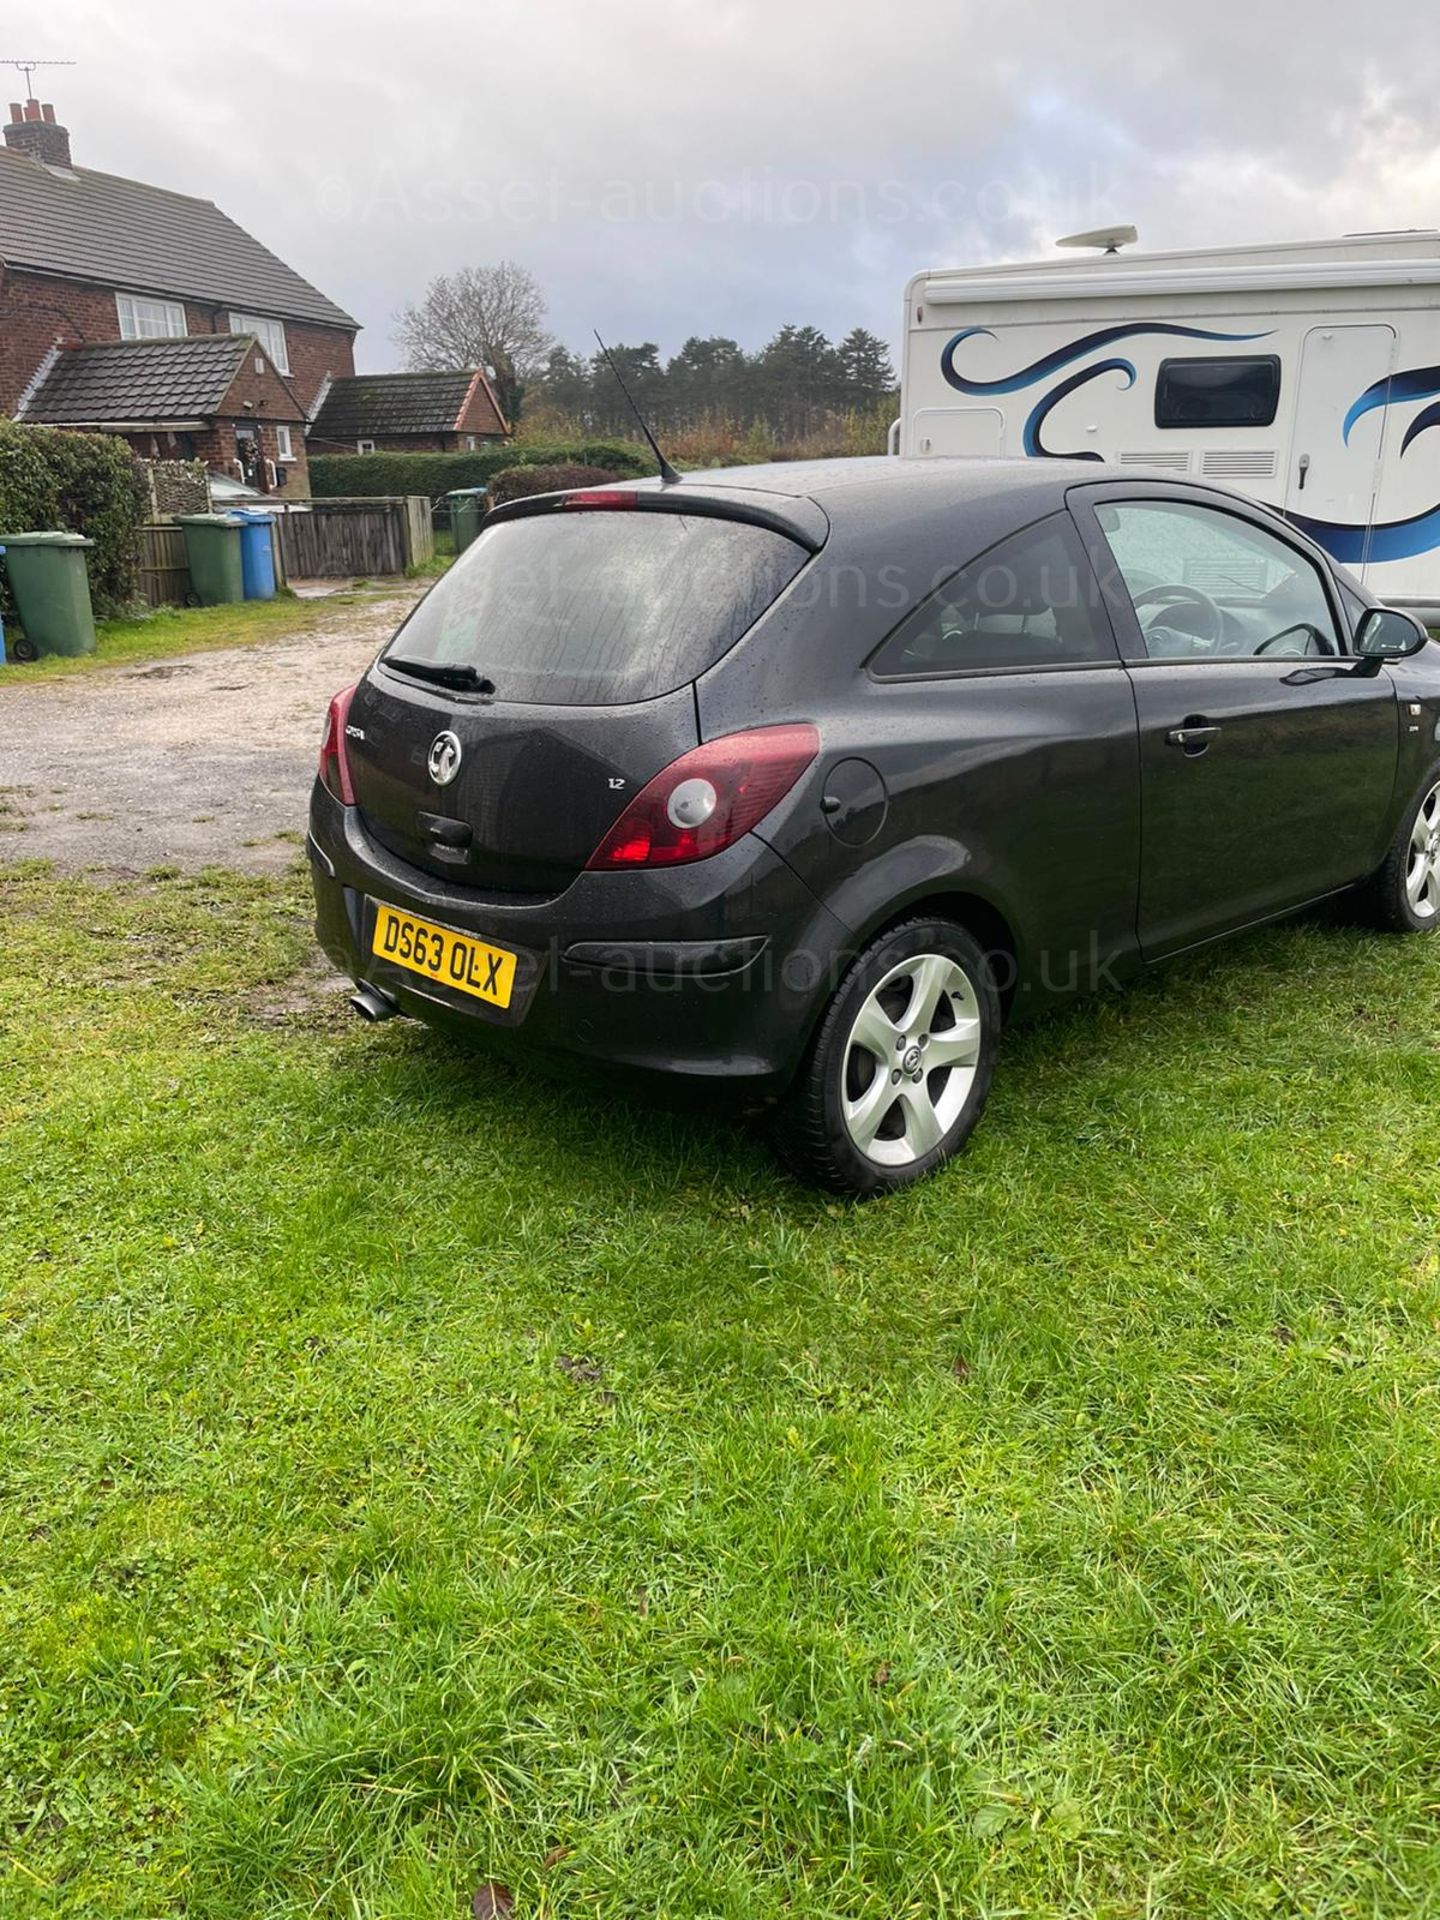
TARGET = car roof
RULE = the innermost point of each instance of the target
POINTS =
(932, 480)
(861, 508)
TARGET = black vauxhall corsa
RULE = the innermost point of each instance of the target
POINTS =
(793, 783)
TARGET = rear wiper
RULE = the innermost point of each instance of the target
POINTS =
(465, 679)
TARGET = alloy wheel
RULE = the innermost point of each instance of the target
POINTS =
(1422, 873)
(911, 1059)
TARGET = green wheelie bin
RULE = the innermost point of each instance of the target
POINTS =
(51, 586)
(467, 510)
(214, 556)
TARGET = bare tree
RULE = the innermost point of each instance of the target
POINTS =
(491, 317)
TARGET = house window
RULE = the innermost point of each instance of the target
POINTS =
(364, 446)
(270, 334)
(1233, 390)
(142, 319)
(283, 448)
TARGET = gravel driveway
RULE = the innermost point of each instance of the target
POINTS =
(200, 760)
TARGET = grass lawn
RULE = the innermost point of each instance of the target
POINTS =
(418, 1475)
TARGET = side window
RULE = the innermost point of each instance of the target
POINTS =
(1031, 601)
(1207, 585)
(1231, 390)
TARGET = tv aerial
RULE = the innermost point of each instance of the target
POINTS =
(1109, 239)
(27, 67)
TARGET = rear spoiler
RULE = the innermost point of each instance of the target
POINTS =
(797, 518)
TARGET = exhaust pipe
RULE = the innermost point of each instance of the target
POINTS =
(372, 1003)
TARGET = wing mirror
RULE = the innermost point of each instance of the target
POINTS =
(1385, 633)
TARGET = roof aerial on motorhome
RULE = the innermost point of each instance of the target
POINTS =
(98, 227)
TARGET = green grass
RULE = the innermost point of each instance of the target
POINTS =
(418, 1474)
(174, 630)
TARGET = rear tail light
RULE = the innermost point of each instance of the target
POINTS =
(704, 801)
(334, 767)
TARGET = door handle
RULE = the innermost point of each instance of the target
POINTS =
(1304, 470)
(1193, 738)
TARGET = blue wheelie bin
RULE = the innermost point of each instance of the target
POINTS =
(257, 553)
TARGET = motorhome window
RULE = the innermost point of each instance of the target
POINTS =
(1234, 390)
(1207, 585)
(1032, 601)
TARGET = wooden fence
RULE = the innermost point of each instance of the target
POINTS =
(164, 573)
(331, 540)
(336, 539)
(420, 529)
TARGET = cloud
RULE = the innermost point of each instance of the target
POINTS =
(730, 165)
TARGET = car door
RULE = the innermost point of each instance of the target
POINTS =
(1267, 753)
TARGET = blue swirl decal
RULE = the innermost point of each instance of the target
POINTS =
(1414, 383)
(1389, 540)
(1427, 417)
(1032, 442)
(1066, 356)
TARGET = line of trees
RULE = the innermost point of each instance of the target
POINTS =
(792, 386)
(494, 316)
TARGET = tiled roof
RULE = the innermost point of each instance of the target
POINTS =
(97, 227)
(138, 380)
(368, 405)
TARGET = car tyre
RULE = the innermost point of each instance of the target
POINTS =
(898, 1072)
(1404, 895)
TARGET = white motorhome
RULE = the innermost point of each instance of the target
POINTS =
(1306, 375)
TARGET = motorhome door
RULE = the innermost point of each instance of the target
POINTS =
(1332, 478)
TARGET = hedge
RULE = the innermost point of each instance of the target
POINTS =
(518, 483)
(339, 474)
(86, 483)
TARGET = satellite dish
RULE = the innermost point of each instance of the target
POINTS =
(1110, 238)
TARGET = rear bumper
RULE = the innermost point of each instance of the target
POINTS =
(709, 975)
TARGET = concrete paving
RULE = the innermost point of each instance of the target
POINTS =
(200, 760)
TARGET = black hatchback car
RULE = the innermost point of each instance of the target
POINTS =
(793, 783)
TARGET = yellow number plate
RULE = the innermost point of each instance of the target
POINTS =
(454, 959)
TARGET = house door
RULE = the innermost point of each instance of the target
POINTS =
(1334, 473)
(251, 456)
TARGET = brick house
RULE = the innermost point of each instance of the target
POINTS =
(90, 259)
(216, 398)
(407, 413)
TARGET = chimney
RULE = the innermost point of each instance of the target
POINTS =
(33, 129)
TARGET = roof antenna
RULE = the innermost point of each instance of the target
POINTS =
(668, 476)
(1108, 239)
(27, 67)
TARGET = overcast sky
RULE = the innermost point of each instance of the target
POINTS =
(668, 167)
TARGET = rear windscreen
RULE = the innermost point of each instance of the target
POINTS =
(598, 608)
